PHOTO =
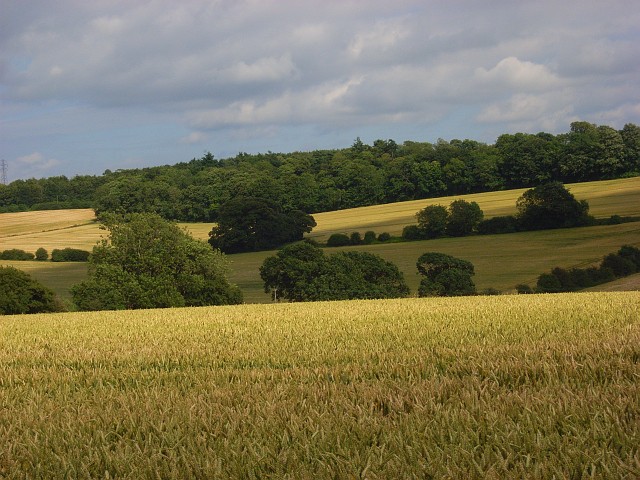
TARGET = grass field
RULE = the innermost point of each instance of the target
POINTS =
(501, 261)
(527, 386)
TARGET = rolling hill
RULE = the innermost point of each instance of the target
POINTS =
(501, 261)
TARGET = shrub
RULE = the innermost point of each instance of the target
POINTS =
(369, 237)
(42, 255)
(384, 237)
(69, 255)
(620, 266)
(503, 224)
(412, 232)
(355, 238)
(338, 240)
(524, 289)
(632, 254)
(20, 293)
(548, 283)
(16, 254)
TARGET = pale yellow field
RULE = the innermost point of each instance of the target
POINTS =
(620, 197)
(75, 228)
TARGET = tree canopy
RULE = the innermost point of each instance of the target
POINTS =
(445, 275)
(302, 272)
(21, 293)
(248, 224)
(358, 175)
(147, 262)
(551, 205)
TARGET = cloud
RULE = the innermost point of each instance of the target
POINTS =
(74, 74)
(513, 73)
(194, 137)
(36, 163)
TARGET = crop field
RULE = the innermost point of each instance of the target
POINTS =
(529, 386)
(606, 198)
(501, 261)
(77, 228)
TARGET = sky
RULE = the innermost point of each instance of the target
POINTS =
(87, 86)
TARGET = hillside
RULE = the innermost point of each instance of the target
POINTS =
(501, 261)
(519, 386)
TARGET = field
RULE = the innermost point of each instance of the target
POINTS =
(501, 261)
(526, 386)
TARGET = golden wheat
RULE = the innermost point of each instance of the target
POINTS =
(480, 387)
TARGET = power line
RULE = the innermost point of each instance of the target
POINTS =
(4, 171)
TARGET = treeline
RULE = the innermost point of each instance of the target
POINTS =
(325, 180)
(615, 265)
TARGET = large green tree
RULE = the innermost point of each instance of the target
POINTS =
(463, 218)
(445, 275)
(302, 272)
(551, 205)
(148, 262)
(251, 224)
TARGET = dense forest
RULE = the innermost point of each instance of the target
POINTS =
(359, 175)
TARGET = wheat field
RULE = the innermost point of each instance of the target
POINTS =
(78, 229)
(537, 386)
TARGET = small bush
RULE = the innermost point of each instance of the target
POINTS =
(632, 254)
(620, 266)
(355, 238)
(42, 255)
(338, 240)
(548, 283)
(16, 254)
(412, 232)
(524, 289)
(69, 255)
(384, 237)
(369, 237)
(504, 224)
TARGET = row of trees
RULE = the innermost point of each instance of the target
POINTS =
(546, 206)
(325, 180)
(615, 265)
(41, 255)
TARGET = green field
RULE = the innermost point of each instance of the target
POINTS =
(501, 261)
(528, 386)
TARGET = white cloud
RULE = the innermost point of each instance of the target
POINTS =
(36, 163)
(517, 74)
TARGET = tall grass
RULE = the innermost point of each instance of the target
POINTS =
(494, 387)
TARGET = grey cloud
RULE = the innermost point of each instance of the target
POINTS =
(271, 65)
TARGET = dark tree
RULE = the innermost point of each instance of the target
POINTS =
(42, 254)
(301, 272)
(338, 240)
(432, 221)
(463, 218)
(20, 293)
(551, 206)
(445, 275)
(251, 224)
(147, 262)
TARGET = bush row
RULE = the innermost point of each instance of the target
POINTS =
(343, 240)
(57, 255)
(615, 265)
